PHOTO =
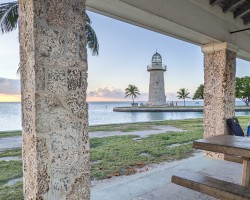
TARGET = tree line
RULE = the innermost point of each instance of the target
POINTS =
(242, 90)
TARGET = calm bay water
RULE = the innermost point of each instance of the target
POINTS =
(102, 113)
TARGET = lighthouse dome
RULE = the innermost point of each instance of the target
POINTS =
(156, 59)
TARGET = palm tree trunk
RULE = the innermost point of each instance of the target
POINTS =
(184, 102)
(133, 100)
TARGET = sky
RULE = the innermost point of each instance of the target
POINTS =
(125, 51)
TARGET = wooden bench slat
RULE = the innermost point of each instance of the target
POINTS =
(211, 186)
(236, 159)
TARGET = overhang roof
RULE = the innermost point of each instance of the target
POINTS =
(239, 8)
(196, 21)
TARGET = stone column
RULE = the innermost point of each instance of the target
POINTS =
(54, 109)
(219, 87)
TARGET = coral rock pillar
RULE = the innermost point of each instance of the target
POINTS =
(219, 87)
(54, 109)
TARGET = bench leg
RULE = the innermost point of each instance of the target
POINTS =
(245, 172)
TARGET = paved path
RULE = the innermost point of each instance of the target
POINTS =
(11, 158)
(10, 143)
(154, 184)
(144, 133)
(16, 141)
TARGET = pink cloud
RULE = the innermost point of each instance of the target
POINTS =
(110, 92)
(9, 86)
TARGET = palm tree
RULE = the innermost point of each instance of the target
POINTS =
(183, 94)
(9, 22)
(132, 91)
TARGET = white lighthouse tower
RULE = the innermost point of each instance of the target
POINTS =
(157, 95)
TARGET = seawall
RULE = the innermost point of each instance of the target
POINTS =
(170, 109)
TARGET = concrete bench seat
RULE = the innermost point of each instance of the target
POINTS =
(211, 186)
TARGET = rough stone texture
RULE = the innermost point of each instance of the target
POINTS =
(54, 109)
(156, 95)
(219, 92)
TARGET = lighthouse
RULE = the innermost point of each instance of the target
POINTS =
(156, 95)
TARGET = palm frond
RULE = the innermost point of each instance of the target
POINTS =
(9, 22)
(132, 91)
(183, 93)
(18, 70)
(8, 16)
(88, 20)
(91, 37)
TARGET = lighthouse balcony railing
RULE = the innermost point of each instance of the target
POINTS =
(156, 67)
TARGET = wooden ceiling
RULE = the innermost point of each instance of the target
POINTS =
(240, 8)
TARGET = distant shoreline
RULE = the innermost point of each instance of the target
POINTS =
(170, 109)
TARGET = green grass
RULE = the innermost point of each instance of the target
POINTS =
(184, 124)
(11, 170)
(10, 134)
(244, 120)
(11, 152)
(14, 192)
(122, 127)
(120, 155)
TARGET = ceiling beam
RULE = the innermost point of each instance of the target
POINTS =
(232, 5)
(242, 11)
(213, 2)
(247, 20)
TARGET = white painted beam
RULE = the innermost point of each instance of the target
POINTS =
(194, 21)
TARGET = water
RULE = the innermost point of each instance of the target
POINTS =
(10, 116)
(102, 113)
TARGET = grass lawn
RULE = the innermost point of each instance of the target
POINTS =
(11, 152)
(244, 120)
(121, 155)
(10, 134)
(10, 170)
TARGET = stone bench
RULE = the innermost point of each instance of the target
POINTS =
(211, 186)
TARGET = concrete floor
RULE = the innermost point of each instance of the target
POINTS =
(156, 183)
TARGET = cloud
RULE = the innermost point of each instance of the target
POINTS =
(107, 92)
(9, 86)
(114, 93)
(171, 96)
(118, 94)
